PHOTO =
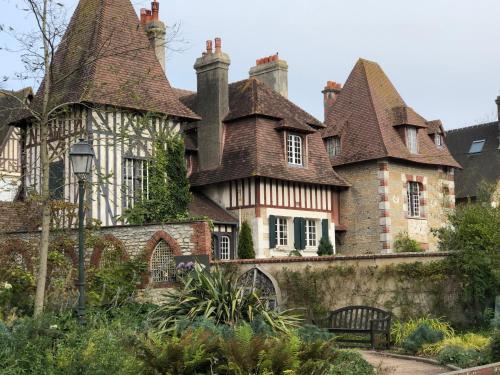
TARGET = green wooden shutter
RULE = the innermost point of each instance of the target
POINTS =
(272, 231)
(299, 233)
(324, 229)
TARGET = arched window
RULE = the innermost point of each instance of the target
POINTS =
(162, 263)
(225, 246)
(111, 255)
(256, 280)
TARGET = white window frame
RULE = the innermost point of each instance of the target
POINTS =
(295, 150)
(281, 231)
(412, 139)
(135, 180)
(225, 248)
(333, 146)
(413, 199)
(311, 233)
(438, 140)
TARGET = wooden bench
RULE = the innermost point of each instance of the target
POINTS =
(359, 320)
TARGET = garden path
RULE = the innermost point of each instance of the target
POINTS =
(398, 366)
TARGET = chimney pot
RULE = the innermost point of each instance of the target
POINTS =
(155, 10)
(218, 45)
(330, 93)
(209, 46)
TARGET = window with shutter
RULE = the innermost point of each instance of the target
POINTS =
(324, 229)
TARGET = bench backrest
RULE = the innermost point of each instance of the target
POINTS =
(359, 317)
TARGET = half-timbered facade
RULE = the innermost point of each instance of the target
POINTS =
(110, 88)
(10, 151)
(261, 157)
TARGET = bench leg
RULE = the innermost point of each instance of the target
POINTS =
(372, 340)
(388, 340)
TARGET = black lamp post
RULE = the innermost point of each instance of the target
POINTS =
(81, 155)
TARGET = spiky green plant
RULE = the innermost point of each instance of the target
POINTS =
(216, 296)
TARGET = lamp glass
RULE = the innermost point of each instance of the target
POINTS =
(81, 155)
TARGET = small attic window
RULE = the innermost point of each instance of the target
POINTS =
(411, 139)
(477, 146)
(333, 146)
(438, 140)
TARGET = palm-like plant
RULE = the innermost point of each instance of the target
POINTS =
(216, 296)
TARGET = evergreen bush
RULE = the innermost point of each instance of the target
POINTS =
(404, 244)
(245, 242)
(424, 334)
(461, 357)
(325, 247)
(495, 347)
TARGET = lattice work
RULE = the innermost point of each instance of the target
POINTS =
(111, 255)
(162, 263)
(256, 280)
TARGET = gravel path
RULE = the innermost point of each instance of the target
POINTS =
(395, 366)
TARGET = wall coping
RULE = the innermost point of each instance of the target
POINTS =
(492, 368)
(333, 258)
(173, 222)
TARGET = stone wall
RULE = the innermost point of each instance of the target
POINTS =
(374, 208)
(374, 280)
(185, 238)
(359, 209)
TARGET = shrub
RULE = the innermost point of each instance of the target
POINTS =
(495, 347)
(217, 296)
(474, 240)
(460, 357)
(325, 247)
(400, 331)
(424, 334)
(245, 242)
(467, 341)
(348, 362)
(310, 332)
(404, 244)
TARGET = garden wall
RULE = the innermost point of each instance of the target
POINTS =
(185, 238)
(412, 284)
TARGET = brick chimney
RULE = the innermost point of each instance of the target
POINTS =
(212, 102)
(330, 93)
(155, 29)
(273, 72)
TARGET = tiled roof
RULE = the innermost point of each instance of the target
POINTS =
(11, 104)
(479, 166)
(105, 58)
(201, 205)
(254, 144)
(366, 115)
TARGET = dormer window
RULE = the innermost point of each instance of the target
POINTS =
(438, 140)
(411, 139)
(477, 146)
(294, 149)
(333, 146)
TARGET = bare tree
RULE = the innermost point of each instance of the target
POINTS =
(38, 50)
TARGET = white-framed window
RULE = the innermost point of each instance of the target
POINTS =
(333, 146)
(413, 199)
(294, 149)
(311, 237)
(225, 246)
(477, 146)
(281, 231)
(438, 140)
(411, 139)
(135, 180)
(162, 263)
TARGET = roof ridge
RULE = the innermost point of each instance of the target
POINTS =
(372, 102)
(464, 128)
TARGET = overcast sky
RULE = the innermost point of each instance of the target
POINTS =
(442, 55)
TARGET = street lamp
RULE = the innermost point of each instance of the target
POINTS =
(81, 155)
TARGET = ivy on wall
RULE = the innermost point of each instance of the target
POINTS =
(407, 289)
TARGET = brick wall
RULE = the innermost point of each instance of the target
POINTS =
(18, 216)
